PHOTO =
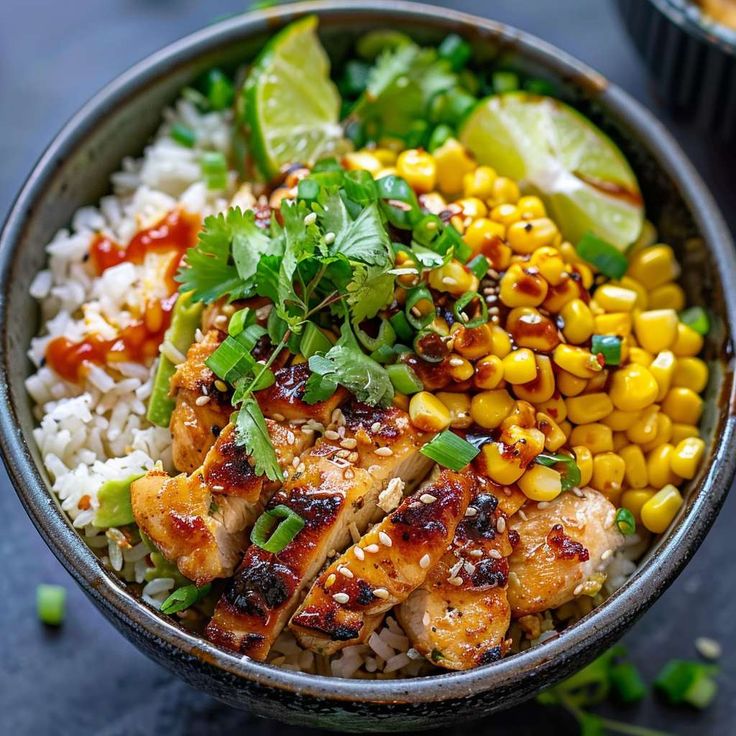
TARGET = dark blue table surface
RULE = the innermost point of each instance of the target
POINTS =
(85, 678)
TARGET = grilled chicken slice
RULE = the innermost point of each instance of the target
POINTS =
(334, 489)
(562, 545)
(459, 617)
(348, 599)
(199, 521)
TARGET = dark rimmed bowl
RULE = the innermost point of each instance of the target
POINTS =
(691, 59)
(75, 171)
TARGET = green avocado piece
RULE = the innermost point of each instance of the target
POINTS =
(115, 508)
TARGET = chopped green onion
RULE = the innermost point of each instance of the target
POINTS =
(465, 300)
(455, 50)
(570, 473)
(232, 359)
(625, 522)
(430, 346)
(504, 82)
(399, 201)
(702, 692)
(183, 134)
(627, 682)
(214, 169)
(194, 96)
(115, 507)
(264, 535)
(360, 187)
(373, 43)
(540, 87)
(609, 346)
(404, 379)
(607, 258)
(313, 341)
(440, 135)
(265, 377)
(479, 266)
(220, 91)
(239, 321)
(183, 598)
(682, 681)
(416, 317)
(449, 450)
(50, 604)
(451, 107)
(386, 336)
(427, 230)
(384, 354)
(404, 331)
(451, 238)
(328, 164)
(697, 319)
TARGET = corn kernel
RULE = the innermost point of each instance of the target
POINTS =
(642, 296)
(636, 466)
(633, 388)
(530, 329)
(644, 429)
(634, 500)
(385, 155)
(682, 405)
(479, 183)
(542, 386)
(682, 432)
(458, 404)
(488, 372)
(519, 366)
(453, 278)
(663, 368)
(608, 472)
(615, 298)
(687, 456)
(452, 162)
(659, 468)
(578, 361)
(522, 416)
(620, 421)
(659, 511)
(688, 343)
(385, 171)
(482, 232)
(620, 440)
(614, 323)
(428, 413)
(419, 170)
(531, 207)
(566, 427)
(362, 160)
(472, 207)
(459, 368)
(554, 437)
(653, 266)
(473, 342)
(505, 191)
(550, 264)
(596, 437)
(598, 382)
(691, 373)
(500, 466)
(554, 407)
(667, 296)
(584, 461)
(522, 287)
(401, 401)
(663, 433)
(577, 319)
(541, 483)
(525, 236)
(640, 356)
(656, 329)
(570, 385)
(500, 341)
(506, 214)
(490, 408)
(588, 408)
(561, 293)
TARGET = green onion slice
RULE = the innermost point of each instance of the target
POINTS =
(682, 681)
(627, 682)
(609, 346)
(608, 259)
(430, 346)
(400, 204)
(427, 229)
(570, 471)
(50, 604)
(384, 354)
(240, 320)
(220, 91)
(183, 135)
(184, 597)
(415, 299)
(470, 297)
(625, 522)
(214, 169)
(697, 319)
(386, 336)
(313, 341)
(504, 82)
(404, 379)
(456, 50)
(440, 135)
(479, 266)
(450, 450)
(264, 535)
(404, 331)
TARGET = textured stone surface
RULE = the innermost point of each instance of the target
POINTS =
(86, 678)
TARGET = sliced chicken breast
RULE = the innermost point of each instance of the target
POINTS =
(562, 546)
(334, 490)
(348, 599)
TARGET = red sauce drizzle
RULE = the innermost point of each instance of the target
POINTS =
(565, 547)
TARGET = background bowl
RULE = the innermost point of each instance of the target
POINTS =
(75, 171)
(691, 59)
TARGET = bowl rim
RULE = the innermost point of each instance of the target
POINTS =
(582, 640)
(689, 16)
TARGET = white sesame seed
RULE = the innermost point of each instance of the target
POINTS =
(331, 578)
(295, 462)
(202, 400)
(469, 567)
(606, 554)
(278, 417)
(471, 511)
(384, 451)
(476, 553)
(310, 219)
(218, 488)
(353, 457)
(501, 525)
(376, 427)
(522, 515)
(290, 437)
(220, 385)
(349, 443)
(373, 468)
(427, 498)
(424, 562)
(348, 474)
(455, 581)
(359, 553)
(330, 434)
(301, 468)
(495, 554)
(346, 571)
(371, 548)
(285, 474)
(307, 431)
(455, 569)
(416, 312)
(385, 539)
(708, 648)
(329, 238)
(449, 280)
(342, 453)
(579, 589)
(455, 362)
(341, 597)
(425, 619)
(380, 593)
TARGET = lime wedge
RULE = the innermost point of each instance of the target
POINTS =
(290, 104)
(555, 152)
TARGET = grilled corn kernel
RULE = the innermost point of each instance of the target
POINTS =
(458, 404)
(653, 266)
(453, 278)
(550, 264)
(522, 287)
(519, 366)
(615, 298)
(634, 500)
(490, 408)
(479, 183)
(578, 361)
(418, 169)
(505, 191)
(598, 382)
(642, 296)
(584, 461)
(566, 427)
(659, 511)
(577, 319)
(531, 207)
(640, 356)
(474, 342)
(663, 433)
(428, 413)
(362, 160)
(663, 369)
(525, 236)
(596, 437)
(542, 386)
(500, 465)
(681, 432)
(656, 329)
(659, 467)
(488, 372)
(527, 440)
(688, 343)
(459, 368)
(682, 405)
(644, 429)
(563, 292)
(620, 421)
(530, 329)
(690, 373)
(482, 232)
(472, 207)
(608, 472)
(401, 401)
(633, 388)
(636, 466)
(554, 437)
(523, 416)
(506, 214)
(385, 155)
(500, 342)
(686, 457)
(614, 323)
(570, 385)
(667, 296)
(541, 483)
(588, 408)
(452, 162)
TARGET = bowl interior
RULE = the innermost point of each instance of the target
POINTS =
(76, 171)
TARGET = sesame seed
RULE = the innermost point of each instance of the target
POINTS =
(469, 567)
(329, 238)
(220, 385)
(416, 312)
(310, 219)
(424, 562)
(464, 317)
(285, 474)
(708, 648)
(331, 578)
(349, 443)
(342, 453)
(606, 554)
(374, 468)
(425, 619)
(476, 553)
(295, 462)
(455, 569)
(471, 511)
(278, 417)
(290, 437)
(455, 362)
(384, 451)
(522, 515)
(348, 474)
(341, 597)
(218, 488)
(330, 434)
(449, 280)
(385, 539)
(427, 498)
(380, 593)
(220, 320)
(359, 553)
(455, 581)
(376, 427)
(495, 554)
(501, 525)
(346, 571)
(301, 468)
(371, 548)
(307, 431)
(202, 400)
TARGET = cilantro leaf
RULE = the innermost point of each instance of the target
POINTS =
(251, 432)
(332, 213)
(371, 289)
(250, 243)
(365, 239)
